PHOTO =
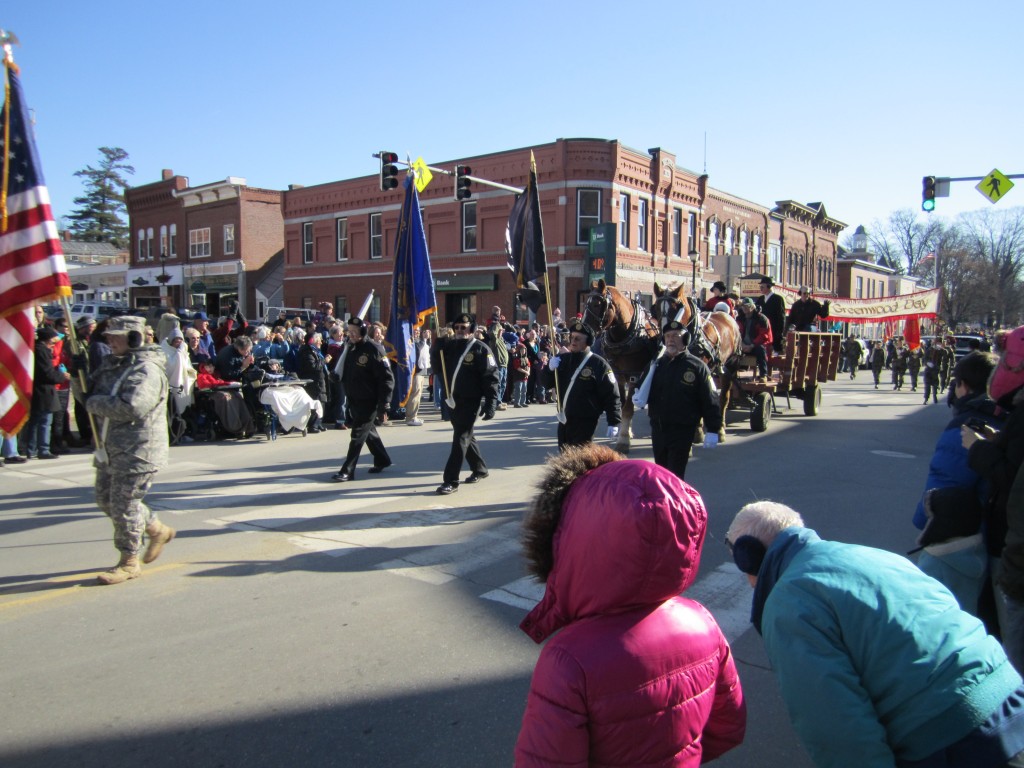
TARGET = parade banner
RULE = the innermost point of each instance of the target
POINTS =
(923, 304)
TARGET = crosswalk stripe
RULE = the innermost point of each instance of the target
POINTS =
(441, 564)
(725, 592)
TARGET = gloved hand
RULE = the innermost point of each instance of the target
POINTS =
(487, 411)
(710, 440)
(80, 362)
(553, 362)
(613, 432)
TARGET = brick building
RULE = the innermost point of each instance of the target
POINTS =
(201, 247)
(669, 226)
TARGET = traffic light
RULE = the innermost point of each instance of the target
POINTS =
(928, 194)
(388, 171)
(462, 182)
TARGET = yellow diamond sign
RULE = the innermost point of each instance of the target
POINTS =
(994, 186)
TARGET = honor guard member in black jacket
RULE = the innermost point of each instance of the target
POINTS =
(470, 378)
(587, 388)
(368, 382)
(681, 394)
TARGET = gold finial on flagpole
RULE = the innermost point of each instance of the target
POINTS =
(8, 39)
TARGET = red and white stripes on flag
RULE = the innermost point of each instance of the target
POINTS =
(32, 268)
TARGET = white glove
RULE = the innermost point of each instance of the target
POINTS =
(553, 362)
(613, 432)
(710, 439)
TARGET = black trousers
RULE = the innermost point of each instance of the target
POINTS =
(672, 443)
(576, 432)
(464, 447)
(364, 431)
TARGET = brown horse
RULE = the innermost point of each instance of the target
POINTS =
(714, 337)
(628, 343)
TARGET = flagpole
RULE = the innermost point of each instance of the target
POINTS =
(547, 292)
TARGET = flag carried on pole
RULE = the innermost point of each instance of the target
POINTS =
(412, 293)
(32, 269)
(524, 237)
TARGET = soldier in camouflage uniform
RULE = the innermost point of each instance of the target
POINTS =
(128, 397)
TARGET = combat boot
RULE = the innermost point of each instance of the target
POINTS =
(127, 568)
(159, 534)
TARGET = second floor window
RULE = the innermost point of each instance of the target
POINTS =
(376, 236)
(677, 233)
(149, 243)
(691, 233)
(173, 253)
(341, 228)
(199, 243)
(588, 213)
(624, 220)
(229, 239)
(641, 225)
(468, 226)
(163, 240)
(307, 242)
(140, 238)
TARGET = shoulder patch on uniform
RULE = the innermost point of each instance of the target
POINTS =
(491, 362)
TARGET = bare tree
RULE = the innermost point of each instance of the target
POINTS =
(905, 240)
(998, 238)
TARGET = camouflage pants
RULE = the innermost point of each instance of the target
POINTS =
(119, 496)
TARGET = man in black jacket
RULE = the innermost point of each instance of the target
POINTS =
(773, 307)
(587, 388)
(470, 376)
(682, 393)
(368, 381)
(804, 313)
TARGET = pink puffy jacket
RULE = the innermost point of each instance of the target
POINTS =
(637, 676)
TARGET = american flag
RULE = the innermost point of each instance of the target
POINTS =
(32, 269)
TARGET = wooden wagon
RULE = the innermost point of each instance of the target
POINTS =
(807, 362)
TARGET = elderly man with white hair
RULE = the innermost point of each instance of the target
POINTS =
(876, 662)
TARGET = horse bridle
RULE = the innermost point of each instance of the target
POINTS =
(589, 314)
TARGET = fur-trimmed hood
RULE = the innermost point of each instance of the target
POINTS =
(609, 535)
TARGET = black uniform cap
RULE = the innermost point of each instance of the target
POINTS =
(580, 327)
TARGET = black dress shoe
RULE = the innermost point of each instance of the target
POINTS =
(15, 459)
(446, 488)
(48, 456)
(375, 470)
(476, 477)
(341, 477)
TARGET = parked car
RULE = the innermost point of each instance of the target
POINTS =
(100, 310)
(280, 314)
(963, 344)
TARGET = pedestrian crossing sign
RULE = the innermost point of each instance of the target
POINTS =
(994, 186)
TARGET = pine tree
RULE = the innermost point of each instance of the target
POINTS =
(98, 217)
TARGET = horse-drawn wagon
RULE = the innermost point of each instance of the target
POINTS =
(808, 361)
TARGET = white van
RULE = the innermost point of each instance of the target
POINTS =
(99, 310)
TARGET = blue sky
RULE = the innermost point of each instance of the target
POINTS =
(849, 104)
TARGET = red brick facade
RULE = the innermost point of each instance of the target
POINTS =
(215, 237)
(680, 211)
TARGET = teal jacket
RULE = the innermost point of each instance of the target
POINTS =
(875, 660)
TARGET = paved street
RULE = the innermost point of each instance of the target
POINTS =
(299, 622)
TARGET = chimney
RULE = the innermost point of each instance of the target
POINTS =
(167, 174)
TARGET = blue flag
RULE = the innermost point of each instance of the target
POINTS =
(412, 293)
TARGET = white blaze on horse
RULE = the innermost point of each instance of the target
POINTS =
(629, 341)
(714, 338)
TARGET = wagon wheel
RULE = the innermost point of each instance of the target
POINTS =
(761, 411)
(812, 400)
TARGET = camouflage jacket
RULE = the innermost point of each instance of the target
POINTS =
(136, 439)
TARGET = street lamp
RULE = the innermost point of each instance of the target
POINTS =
(695, 260)
(163, 278)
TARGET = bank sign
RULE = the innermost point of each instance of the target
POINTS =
(601, 254)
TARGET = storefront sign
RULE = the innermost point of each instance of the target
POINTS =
(468, 281)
